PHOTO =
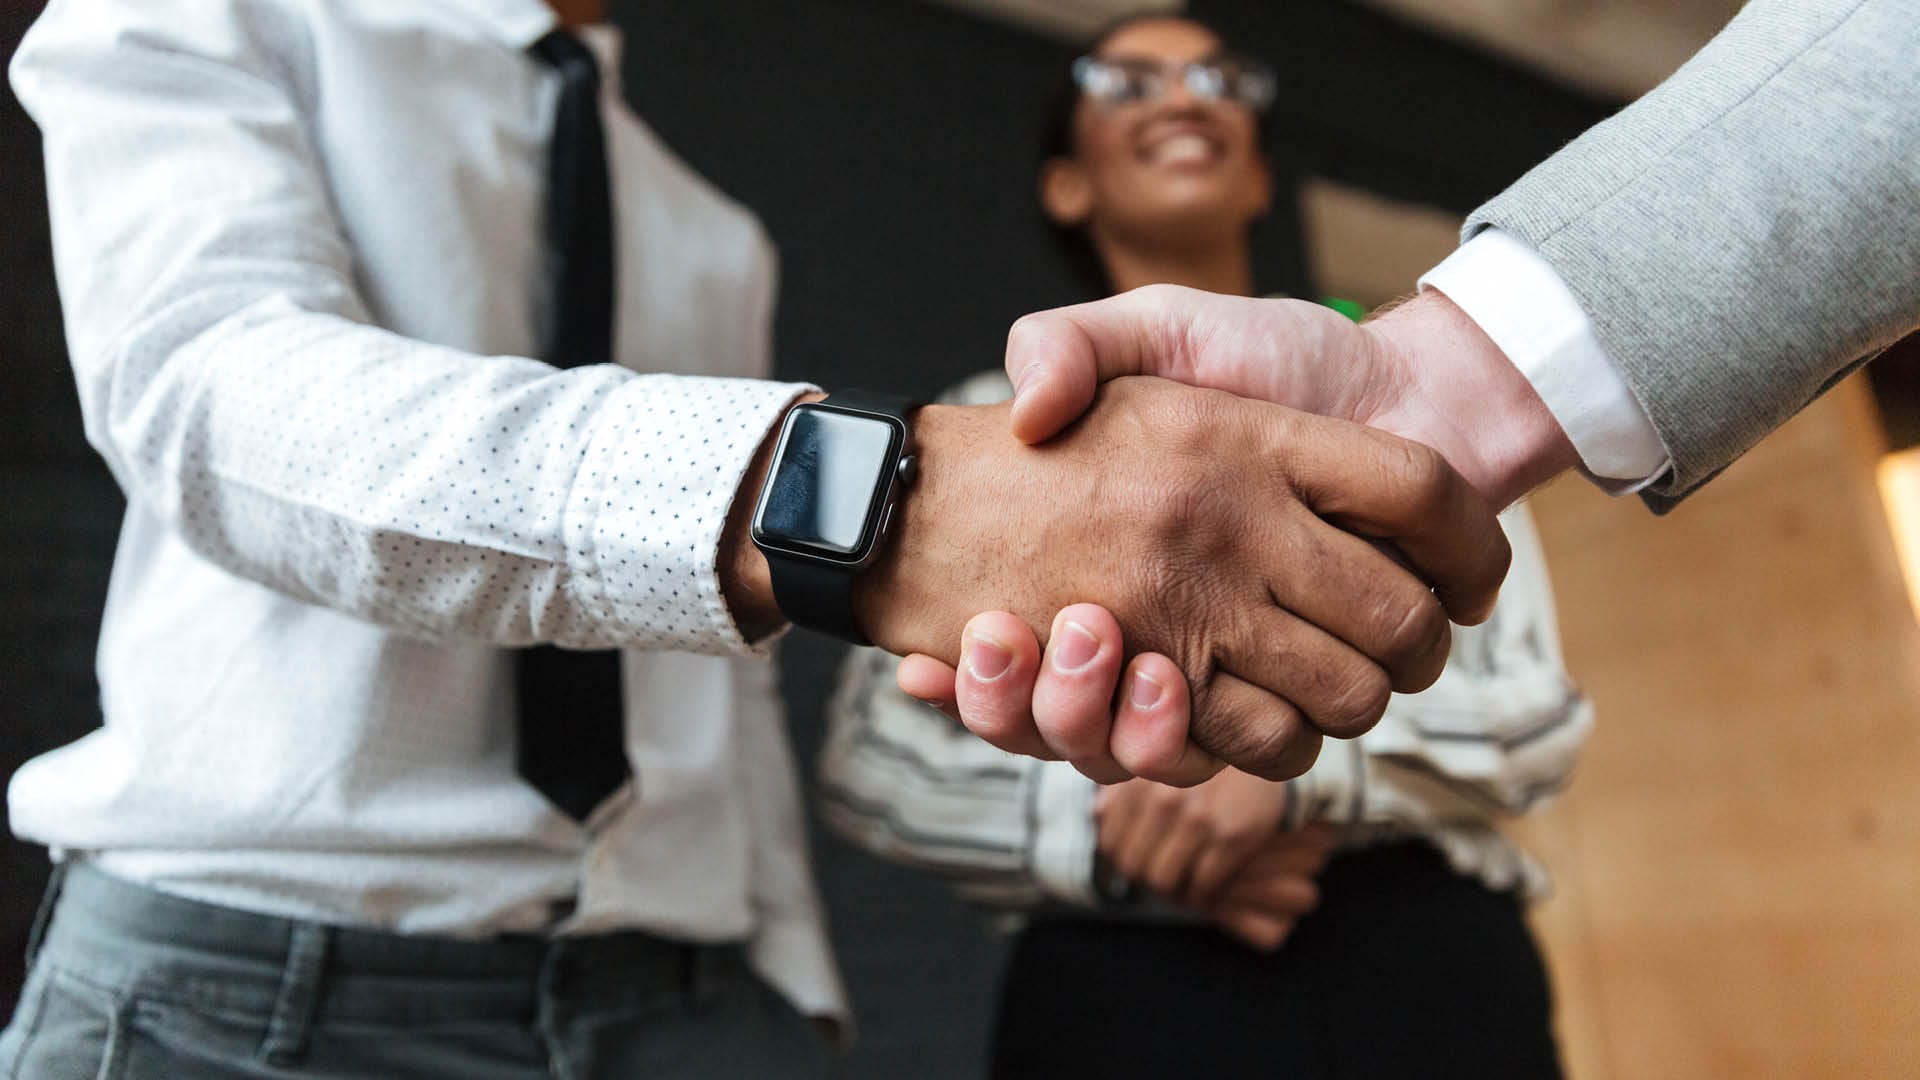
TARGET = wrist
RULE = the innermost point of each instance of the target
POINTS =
(904, 598)
(1440, 380)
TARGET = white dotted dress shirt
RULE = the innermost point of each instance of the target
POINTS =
(300, 254)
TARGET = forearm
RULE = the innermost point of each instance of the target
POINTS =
(434, 491)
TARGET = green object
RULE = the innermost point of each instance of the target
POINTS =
(1349, 308)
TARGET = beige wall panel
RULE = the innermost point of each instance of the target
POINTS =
(1367, 248)
(1740, 853)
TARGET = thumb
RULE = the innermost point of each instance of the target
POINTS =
(1057, 359)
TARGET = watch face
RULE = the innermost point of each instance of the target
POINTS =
(829, 476)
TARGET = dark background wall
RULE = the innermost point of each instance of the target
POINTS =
(59, 511)
(890, 148)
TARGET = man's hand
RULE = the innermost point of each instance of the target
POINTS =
(1217, 849)
(1424, 371)
(1225, 536)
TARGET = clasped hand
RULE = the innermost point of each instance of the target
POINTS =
(1240, 578)
(1217, 850)
(1242, 548)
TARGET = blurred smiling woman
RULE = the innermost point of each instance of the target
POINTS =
(1364, 920)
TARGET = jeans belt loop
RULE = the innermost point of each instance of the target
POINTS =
(301, 984)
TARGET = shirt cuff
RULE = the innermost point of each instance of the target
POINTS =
(647, 511)
(1064, 836)
(1523, 305)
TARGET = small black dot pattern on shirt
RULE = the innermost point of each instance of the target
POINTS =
(540, 522)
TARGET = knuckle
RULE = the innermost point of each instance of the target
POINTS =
(1259, 744)
(1176, 607)
(1289, 756)
(1416, 472)
(986, 723)
(1028, 330)
(1268, 745)
(985, 709)
(1153, 761)
(1192, 517)
(1155, 299)
(1499, 557)
(1413, 623)
(1230, 834)
(1428, 479)
(1078, 738)
(1359, 704)
(1139, 762)
(1182, 422)
(1199, 827)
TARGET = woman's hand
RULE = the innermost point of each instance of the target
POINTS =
(1217, 849)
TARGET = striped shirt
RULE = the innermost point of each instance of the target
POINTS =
(1496, 734)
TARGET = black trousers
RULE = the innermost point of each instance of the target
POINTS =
(1405, 970)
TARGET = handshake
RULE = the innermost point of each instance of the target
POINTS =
(1229, 569)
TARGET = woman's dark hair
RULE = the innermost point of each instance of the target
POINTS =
(1073, 241)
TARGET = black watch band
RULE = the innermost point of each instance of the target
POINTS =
(816, 596)
(819, 595)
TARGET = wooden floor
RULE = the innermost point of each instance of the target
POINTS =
(1739, 858)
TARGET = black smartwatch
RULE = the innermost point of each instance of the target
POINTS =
(838, 470)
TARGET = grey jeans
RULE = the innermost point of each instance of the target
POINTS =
(128, 982)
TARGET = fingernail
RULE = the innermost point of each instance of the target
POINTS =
(1077, 648)
(987, 659)
(1146, 692)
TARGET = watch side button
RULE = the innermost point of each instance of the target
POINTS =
(908, 468)
(886, 522)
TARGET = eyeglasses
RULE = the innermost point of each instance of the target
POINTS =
(1225, 77)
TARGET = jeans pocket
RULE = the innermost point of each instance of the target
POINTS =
(66, 1029)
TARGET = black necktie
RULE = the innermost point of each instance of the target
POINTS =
(572, 744)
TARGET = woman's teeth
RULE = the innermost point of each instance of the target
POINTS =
(1181, 149)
